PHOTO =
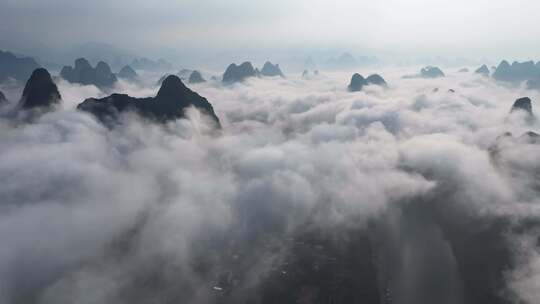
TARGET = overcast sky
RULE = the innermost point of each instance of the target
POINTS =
(475, 28)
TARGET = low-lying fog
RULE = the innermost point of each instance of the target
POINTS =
(149, 213)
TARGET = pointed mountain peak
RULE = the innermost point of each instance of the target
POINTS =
(40, 90)
(196, 77)
(171, 86)
(483, 70)
(82, 63)
(128, 73)
(524, 104)
(103, 67)
(357, 83)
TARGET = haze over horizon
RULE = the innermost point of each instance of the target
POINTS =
(200, 31)
(263, 152)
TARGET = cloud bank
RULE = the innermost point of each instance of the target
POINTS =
(147, 213)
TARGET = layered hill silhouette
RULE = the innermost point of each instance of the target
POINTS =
(431, 72)
(483, 70)
(358, 82)
(128, 73)
(346, 60)
(427, 72)
(239, 73)
(18, 68)
(517, 71)
(83, 73)
(343, 61)
(170, 103)
(196, 77)
(271, 70)
(151, 65)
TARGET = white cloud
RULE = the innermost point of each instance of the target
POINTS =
(87, 211)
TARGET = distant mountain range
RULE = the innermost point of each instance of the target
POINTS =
(15, 67)
(173, 98)
(83, 73)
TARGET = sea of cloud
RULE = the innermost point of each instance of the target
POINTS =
(90, 214)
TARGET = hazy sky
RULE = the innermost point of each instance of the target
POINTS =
(495, 28)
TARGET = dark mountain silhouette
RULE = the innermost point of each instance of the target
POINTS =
(358, 82)
(431, 72)
(151, 65)
(483, 70)
(170, 103)
(517, 72)
(196, 77)
(3, 98)
(162, 78)
(523, 104)
(238, 73)
(503, 71)
(40, 91)
(271, 70)
(83, 73)
(96, 51)
(376, 79)
(18, 68)
(128, 73)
